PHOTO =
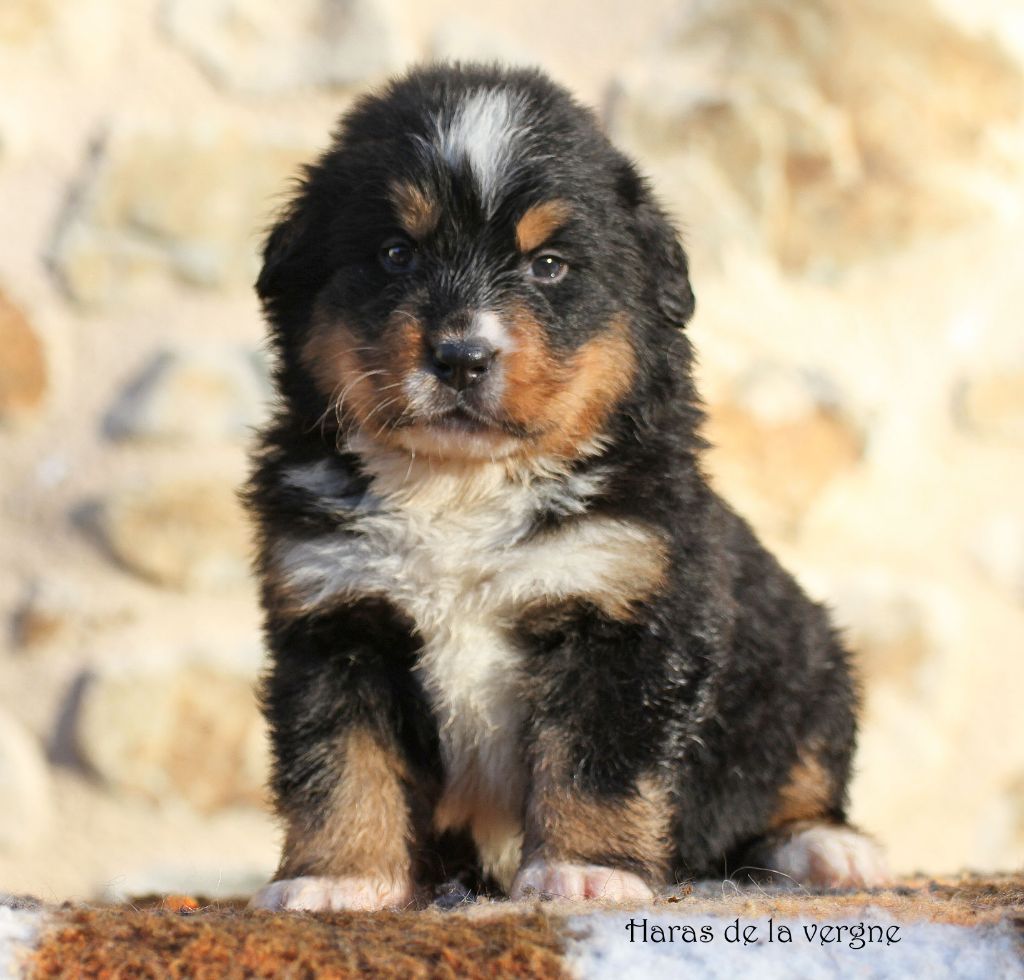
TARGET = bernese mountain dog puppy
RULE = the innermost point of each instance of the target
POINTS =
(514, 635)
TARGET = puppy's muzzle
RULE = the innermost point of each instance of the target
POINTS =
(461, 364)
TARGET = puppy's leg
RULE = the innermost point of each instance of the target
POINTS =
(599, 811)
(809, 841)
(345, 785)
(354, 852)
(586, 843)
(822, 855)
(581, 845)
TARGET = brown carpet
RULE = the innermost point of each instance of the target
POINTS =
(181, 936)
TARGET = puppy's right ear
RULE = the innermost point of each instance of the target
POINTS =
(295, 262)
(278, 248)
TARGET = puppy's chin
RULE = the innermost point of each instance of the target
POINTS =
(445, 440)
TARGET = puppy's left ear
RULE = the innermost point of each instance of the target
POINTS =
(658, 243)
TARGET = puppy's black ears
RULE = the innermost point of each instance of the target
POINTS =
(658, 243)
(277, 249)
(294, 254)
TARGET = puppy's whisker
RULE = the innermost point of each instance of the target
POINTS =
(380, 407)
(405, 315)
(339, 354)
(355, 381)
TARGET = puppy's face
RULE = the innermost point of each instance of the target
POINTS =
(472, 271)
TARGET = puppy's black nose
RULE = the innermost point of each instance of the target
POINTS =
(462, 363)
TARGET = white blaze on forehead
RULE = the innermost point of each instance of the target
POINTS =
(484, 131)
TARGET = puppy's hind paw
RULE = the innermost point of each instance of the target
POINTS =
(316, 894)
(562, 879)
(828, 856)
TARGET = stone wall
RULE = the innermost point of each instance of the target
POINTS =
(848, 178)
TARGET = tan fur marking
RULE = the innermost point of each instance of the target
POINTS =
(567, 403)
(366, 378)
(366, 828)
(539, 222)
(806, 796)
(533, 375)
(647, 568)
(643, 563)
(602, 372)
(332, 355)
(417, 214)
(564, 824)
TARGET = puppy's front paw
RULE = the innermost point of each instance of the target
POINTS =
(562, 879)
(831, 857)
(312, 894)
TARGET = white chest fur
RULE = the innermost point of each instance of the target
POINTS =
(450, 550)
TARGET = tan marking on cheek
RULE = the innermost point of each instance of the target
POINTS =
(334, 357)
(601, 372)
(807, 795)
(366, 827)
(563, 823)
(533, 373)
(366, 376)
(416, 212)
(539, 223)
(567, 402)
(402, 352)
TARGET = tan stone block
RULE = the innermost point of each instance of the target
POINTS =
(25, 21)
(185, 535)
(268, 47)
(776, 445)
(992, 404)
(891, 626)
(180, 198)
(23, 370)
(906, 631)
(187, 731)
(49, 613)
(997, 548)
(26, 807)
(847, 130)
(193, 394)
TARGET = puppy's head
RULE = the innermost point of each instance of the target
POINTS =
(471, 271)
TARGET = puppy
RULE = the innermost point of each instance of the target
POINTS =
(514, 635)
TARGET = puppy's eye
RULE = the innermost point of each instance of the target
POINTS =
(397, 255)
(548, 269)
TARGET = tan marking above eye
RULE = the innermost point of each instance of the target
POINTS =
(416, 212)
(539, 223)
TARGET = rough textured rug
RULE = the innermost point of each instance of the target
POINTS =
(969, 926)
